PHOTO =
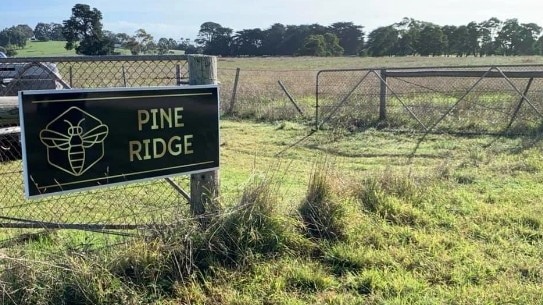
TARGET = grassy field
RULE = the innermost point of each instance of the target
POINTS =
(451, 220)
(49, 48)
(44, 48)
(56, 48)
(343, 217)
(319, 63)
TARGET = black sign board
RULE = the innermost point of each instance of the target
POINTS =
(80, 139)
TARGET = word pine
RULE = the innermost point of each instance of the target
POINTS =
(160, 118)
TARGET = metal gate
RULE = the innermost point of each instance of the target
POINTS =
(477, 99)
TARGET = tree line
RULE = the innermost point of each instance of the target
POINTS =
(83, 31)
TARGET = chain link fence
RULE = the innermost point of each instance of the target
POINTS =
(258, 94)
(474, 99)
(461, 99)
(468, 100)
(120, 207)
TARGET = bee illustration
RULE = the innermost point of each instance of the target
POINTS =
(75, 142)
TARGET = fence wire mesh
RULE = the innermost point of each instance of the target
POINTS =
(258, 94)
(483, 99)
(120, 207)
(475, 99)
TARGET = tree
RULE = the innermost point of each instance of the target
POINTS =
(489, 30)
(272, 38)
(122, 39)
(163, 46)
(208, 32)
(83, 32)
(48, 31)
(56, 32)
(332, 45)
(409, 35)
(142, 42)
(383, 41)
(432, 41)
(517, 39)
(13, 37)
(9, 50)
(294, 38)
(186, 45)
(538, 47)
(351, 37)
(26, 30)
(529, 35)
(248, 42)
(314, 45)
(215, 39)
(42, 31)
(473, 37)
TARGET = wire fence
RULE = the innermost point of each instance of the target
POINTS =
(470, 99)
(478, 100)
(475, 99)
(120, 207)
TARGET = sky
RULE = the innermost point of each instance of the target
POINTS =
(182, 18)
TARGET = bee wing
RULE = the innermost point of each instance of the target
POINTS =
(55, 139)
(95, 135)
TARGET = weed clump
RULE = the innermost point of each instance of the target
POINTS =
(251, 228)
(323, 216)
(393, 197)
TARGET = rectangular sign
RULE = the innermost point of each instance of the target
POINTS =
(80, 139)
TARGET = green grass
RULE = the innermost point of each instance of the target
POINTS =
(44, 48)
(450, 220)
(56, 48)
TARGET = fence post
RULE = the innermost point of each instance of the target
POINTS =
(234, 92)
(178, 75)
(383, 96)
(124, 76)
(204, 187)
(71, 77)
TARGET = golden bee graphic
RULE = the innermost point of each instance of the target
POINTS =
(74, 140)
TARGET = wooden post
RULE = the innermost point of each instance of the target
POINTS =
(383, 96)
(234, 92)
(204, 187)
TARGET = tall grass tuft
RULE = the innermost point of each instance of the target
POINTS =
(250, 229)
(394, 197)
(323, 215)
(65, 279)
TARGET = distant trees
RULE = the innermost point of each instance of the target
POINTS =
(490, 37)
(351, 37)
(83, 32)
(164, 45)
(142, 42)
(384, 41)
(48, 31)
(14, 38)
(322, 45)
(281, 40)
(215, 39)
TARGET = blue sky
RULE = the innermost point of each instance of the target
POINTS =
(182, 18)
